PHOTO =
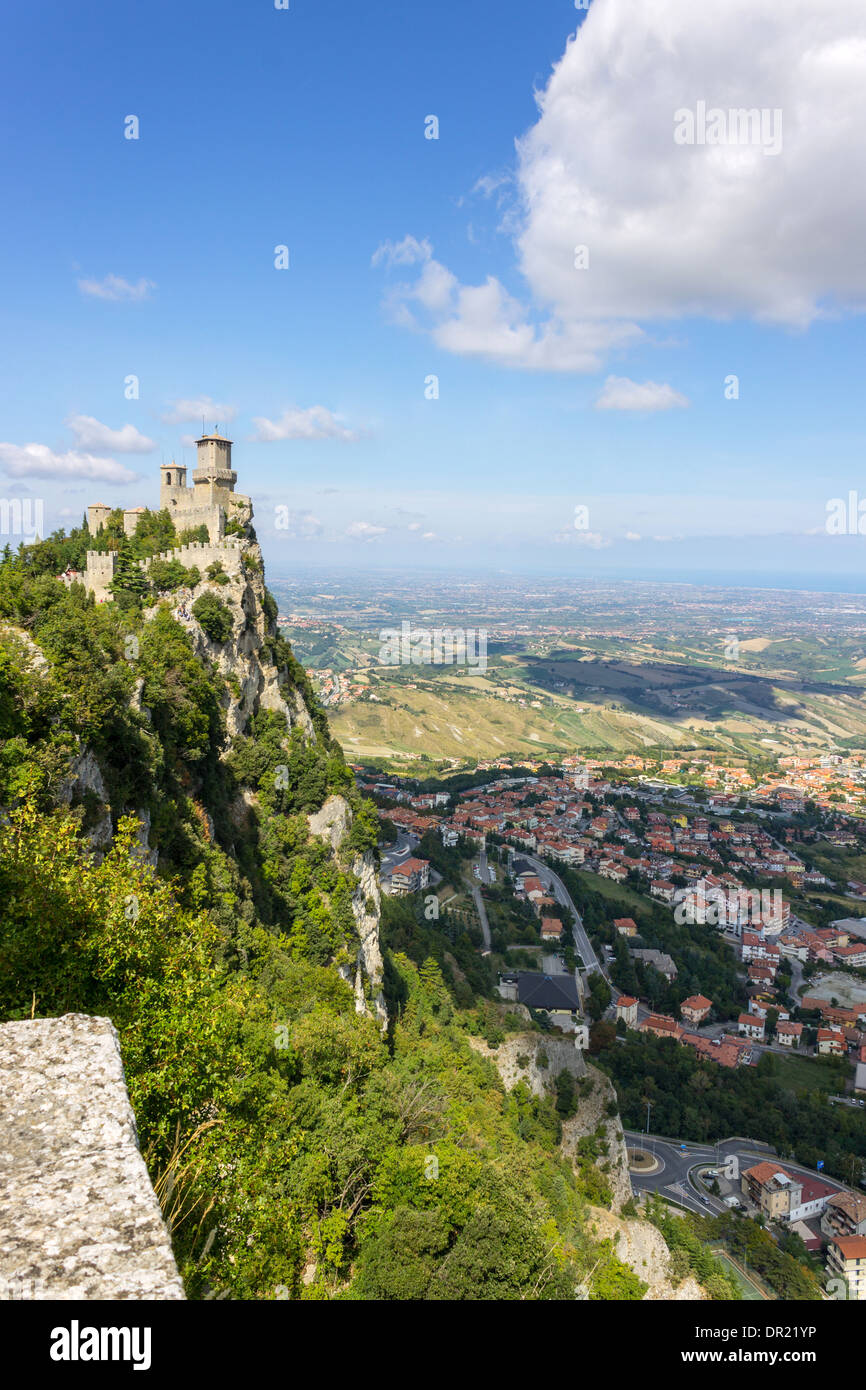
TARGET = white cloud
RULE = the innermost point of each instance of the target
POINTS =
(38, 461)
(365, 531)
(92, 434)
(672, 230)
(197, 408)
(489, 184)
(115, 287)
(719, 230)
(485, 321)
(409, 251)
(632, 536)
(314, 423)
(488, 322)
(620, 393)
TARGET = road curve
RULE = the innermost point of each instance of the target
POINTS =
(581, 940)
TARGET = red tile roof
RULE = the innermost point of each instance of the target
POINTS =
(410, 866)
(851, 1247)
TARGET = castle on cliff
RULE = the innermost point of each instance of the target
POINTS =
(211, 502)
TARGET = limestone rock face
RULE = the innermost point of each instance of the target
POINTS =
(520, 1058)
(517, 1059)
(78, 1215)
(333, 823)
(146, 854)
(642, 1247)
(84, 776)
(592, 1113)
(637, 1243)
(369, 968)
(243, 658)
(33, 655)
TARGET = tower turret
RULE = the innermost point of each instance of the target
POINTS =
(214, 467)
(172, 484)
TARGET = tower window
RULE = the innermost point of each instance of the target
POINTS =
(168, 480)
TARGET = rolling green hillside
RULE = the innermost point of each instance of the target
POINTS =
(591, 706)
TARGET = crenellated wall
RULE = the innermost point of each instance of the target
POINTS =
(202, 554)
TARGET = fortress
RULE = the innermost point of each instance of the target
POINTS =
(211, 502)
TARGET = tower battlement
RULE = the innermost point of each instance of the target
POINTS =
(213, 491)
(101, 566)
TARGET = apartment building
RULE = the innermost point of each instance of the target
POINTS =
(626, 1009)
(412, 876)
(846, 1259)
(845, 1215)
(695, 1009)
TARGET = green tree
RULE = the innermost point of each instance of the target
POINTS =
(213, 617)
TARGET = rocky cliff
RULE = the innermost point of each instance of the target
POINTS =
(253, 674)
(535, 1059)
(640, 1246)
(254, 680)
(245, 658)
(333, 824)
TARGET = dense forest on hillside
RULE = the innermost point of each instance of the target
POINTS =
(298, 1149)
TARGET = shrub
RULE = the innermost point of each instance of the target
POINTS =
(168, 575)
(213, 617)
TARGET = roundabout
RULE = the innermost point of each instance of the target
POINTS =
(643, 1163)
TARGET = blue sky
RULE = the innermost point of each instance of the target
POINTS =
(412, 258)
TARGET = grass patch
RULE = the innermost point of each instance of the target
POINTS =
(750, 1291)
(619, 893)
(800, 1074)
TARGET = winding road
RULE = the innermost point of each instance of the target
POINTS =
(582, 942)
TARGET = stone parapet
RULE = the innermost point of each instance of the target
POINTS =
(79, 1218)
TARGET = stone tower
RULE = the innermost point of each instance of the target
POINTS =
(213, 473)
(97, 515)
(99, 574)
(211, 503)
(172, 484)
